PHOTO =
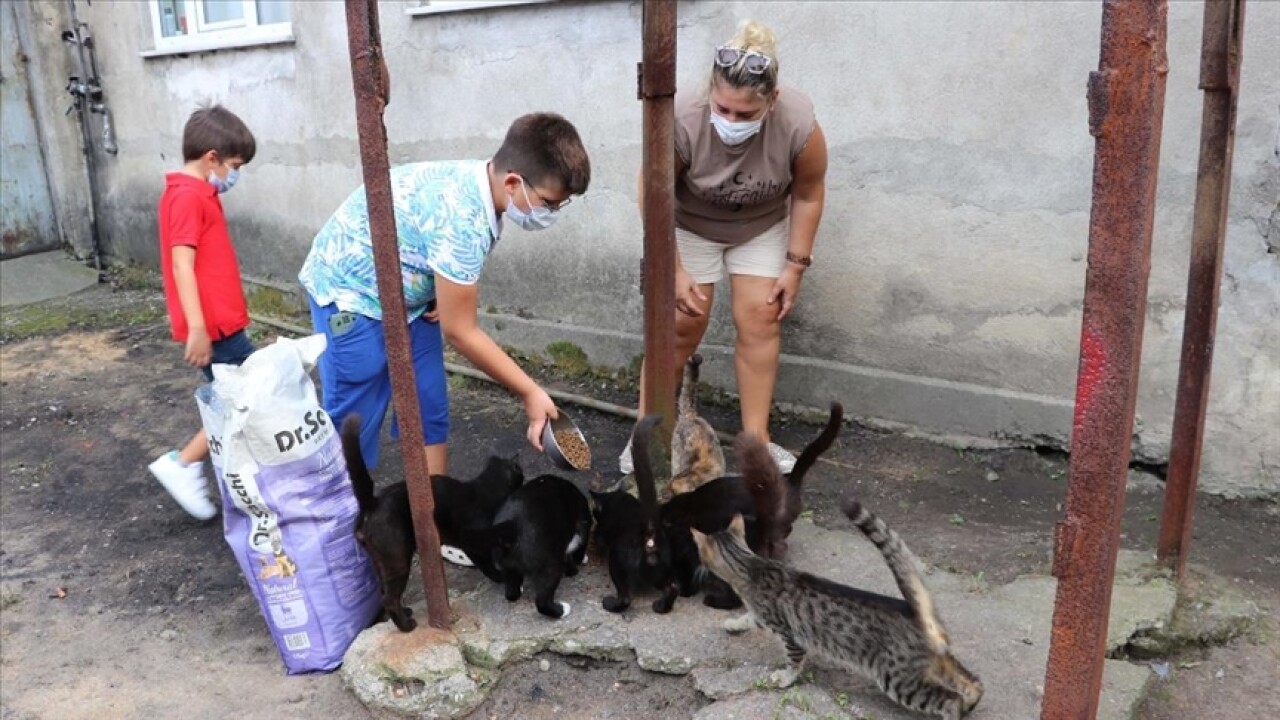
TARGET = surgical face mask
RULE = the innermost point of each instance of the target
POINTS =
(735, 133)
(538, 217)
(223, 185)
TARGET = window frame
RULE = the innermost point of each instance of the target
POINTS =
(243, 32)
(442, 7)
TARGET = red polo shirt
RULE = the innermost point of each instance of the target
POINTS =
(191, 215)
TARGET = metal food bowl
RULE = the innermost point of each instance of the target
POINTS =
(552, 448)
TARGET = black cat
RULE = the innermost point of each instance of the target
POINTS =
(463, 514)
(636, 540)
(542, 532)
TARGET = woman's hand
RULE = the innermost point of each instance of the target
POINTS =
(786, 288)
(686, 291)
(538, 408)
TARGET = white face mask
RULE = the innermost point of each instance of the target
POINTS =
(538, 217)
(735, 133)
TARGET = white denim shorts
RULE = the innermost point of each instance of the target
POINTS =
(706, 261)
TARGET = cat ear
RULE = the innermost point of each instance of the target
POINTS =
(505, 532)
(738, 528)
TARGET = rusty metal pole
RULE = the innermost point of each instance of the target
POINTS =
(657, 90)
(1221, 50)
(1126, 111)
(368, 75)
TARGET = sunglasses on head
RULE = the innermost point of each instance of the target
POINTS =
(755, 63)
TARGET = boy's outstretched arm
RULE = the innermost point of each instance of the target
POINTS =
(457, 305)
(199, 347)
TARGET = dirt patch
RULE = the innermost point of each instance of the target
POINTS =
(60, 356)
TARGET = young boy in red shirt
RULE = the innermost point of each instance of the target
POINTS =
(207, 309)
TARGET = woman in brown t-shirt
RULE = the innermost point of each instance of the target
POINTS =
(751, 163)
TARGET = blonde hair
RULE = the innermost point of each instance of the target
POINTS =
(752, 36)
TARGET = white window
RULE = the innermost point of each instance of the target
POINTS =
(183, 26)
(435, 7)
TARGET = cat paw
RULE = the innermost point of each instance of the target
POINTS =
(404, 621)
(615, 604)
(564, 609)
(663, 606)
(783, 678)
(738, 625)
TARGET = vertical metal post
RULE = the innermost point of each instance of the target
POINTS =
(1220, 54)
(1126, 110)
(657, 90)
(369, 76)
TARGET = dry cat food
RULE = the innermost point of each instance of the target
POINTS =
(574, 448)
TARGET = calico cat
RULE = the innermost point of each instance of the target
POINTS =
(758, 492)
(463, 515)
(900, 644)
(710, 507)
(542, 532)
(635, 540)
(696, 456)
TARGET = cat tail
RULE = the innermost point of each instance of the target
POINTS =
(819, 445)
(687, 405)
(643, 468)
(764, 482)
(361, 480)
(901, 564)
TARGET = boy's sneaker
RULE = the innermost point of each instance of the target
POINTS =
(785, 461)
(185, 483)
(625, 466)
(455, 556)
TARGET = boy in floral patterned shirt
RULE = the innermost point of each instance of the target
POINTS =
(448, 220)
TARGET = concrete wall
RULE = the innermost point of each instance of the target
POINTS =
(950, 264)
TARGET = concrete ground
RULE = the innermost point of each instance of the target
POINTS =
(42, 276)
(114, 604)
(1000, 632)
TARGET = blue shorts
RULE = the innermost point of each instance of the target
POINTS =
(233, 349)
(354, 375)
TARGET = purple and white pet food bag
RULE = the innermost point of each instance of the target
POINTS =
(288, 509)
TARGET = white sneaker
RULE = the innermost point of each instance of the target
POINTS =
(625, 466)
(783, 459)
(455, 556)
(185, 483)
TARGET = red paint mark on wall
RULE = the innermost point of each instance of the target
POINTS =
(1093, 361)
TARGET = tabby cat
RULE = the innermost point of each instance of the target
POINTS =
(900, 644)
(696, 456)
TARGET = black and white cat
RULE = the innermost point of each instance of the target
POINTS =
(463, 514)
(541, 533)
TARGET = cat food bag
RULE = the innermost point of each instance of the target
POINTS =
(288, 509)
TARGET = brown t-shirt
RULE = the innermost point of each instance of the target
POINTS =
(732, 194)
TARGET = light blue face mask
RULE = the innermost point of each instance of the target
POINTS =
(538, 217)
(735, 133)
(224, 185)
